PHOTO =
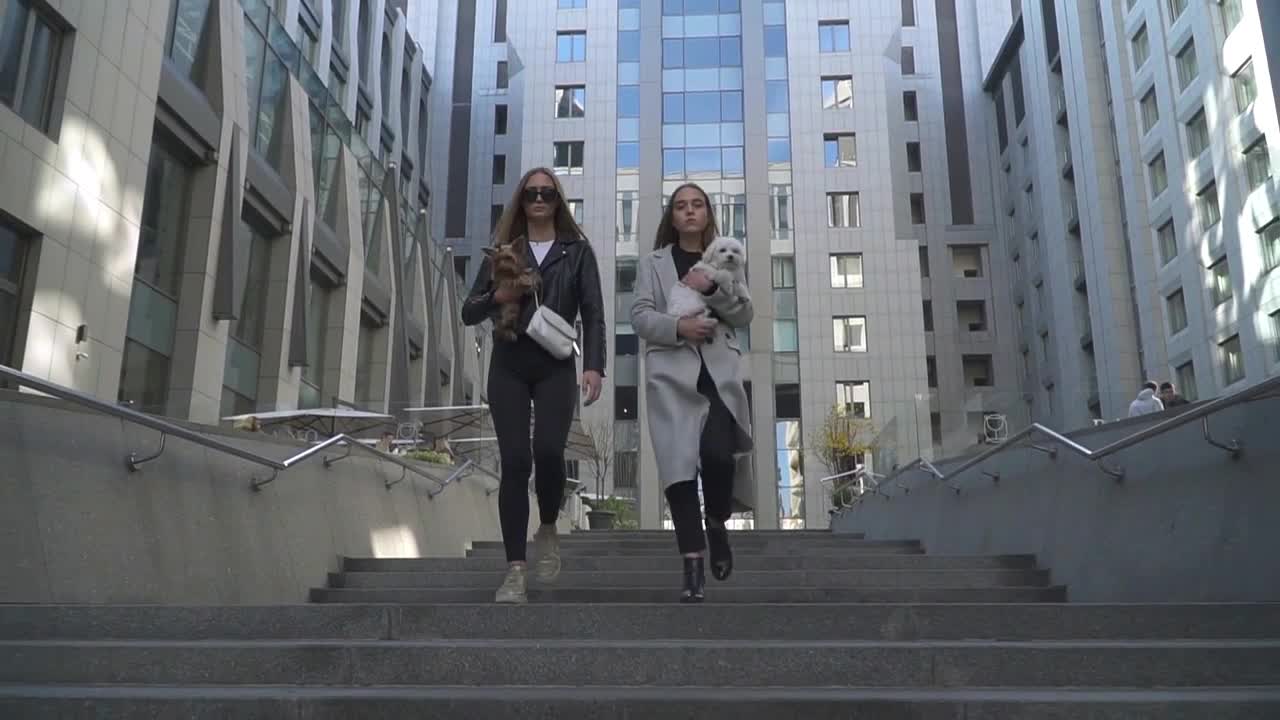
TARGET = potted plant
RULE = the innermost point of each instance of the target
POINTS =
(841, 443)
(435, 457)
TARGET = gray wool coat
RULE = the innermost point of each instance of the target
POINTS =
(675, 409)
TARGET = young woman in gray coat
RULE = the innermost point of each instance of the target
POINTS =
(697, 408)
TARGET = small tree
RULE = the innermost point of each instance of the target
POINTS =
(841, 441)
(599, 451)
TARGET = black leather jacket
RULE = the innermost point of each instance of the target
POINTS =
(570, 284)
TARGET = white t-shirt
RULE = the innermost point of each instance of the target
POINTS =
(540, 249)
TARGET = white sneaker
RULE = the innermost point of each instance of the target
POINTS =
(512, 591)
(546, 554)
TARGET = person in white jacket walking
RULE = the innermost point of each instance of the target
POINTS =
(1146, 402)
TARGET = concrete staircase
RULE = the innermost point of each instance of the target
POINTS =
(812, 625)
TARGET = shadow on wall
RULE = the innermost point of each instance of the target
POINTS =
(1187, 524)
(78, 527)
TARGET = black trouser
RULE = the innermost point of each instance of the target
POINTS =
(520, 372)
(716, 469)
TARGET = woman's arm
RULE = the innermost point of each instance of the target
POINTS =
(654, 327)
(732, 302)
(591, 307)
(479, 305)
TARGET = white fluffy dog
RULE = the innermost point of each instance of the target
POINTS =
(725, 261)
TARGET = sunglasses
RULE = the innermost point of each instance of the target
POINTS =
(547, 194)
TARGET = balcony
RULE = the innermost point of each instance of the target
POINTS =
(1059, 100)
(1080, 277)
(1073, 217)
(1086, 339)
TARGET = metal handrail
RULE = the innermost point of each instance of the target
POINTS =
(1201, 412)
(167, 428)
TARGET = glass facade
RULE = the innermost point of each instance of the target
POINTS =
(187, 36)
(12, 253)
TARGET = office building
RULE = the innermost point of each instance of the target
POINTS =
(1138, 205)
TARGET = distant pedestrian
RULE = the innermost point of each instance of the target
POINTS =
(1146, 402)
(1169, 395)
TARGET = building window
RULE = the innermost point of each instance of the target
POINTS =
(908, 60)
(846, 270)
(1270, 237)
(499, 119)
(575, 209)
(1176, 308)
(1157, 175)
(785, 336)
(1220, 289)
(1207, 206)
(153, 306)
(927, 308)
(780, 211)
(1232, 361)
(571, 47)
(504, 79)
(972, 315)
(1232, 13)
(843, 210)
(1275, 336)
(853, 398)
(1245, 86)
(186, 36)
(571, 101)
(790, 469)
(1186, 374)
(908, 13)
(833, 36)
(1188, 67)
(977, 371)
(1141, 48)
(910, 111)
(966, 260)
(850, 333)
(1198, 135)
(628, 205)
(913, 157)
(31, 45)
(840, 150)
(924, 261)
(571, 4)
(1002, 124)
(13, 249)
(1175, 9)
(917, 208)
(499, 169)
(309, 394)
(267, 80)
(500, 21)
(837, 92)
(931, 371)
(1257, 163)
(246, 333)
(626, 402)
(784, 272)
(1150, 111)
(495, 214)
(1167, 240)
(1015, 82)
(568, 157)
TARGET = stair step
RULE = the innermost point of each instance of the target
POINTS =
(645, 548)
(720, 663)
(669, 593)
(743, 561)
(608, 703)
(743, 621)
(797, 578)
(668, 544)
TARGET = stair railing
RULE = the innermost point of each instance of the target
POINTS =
(1233, 447)
(134, 462)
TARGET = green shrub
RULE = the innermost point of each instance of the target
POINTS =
(431, 456)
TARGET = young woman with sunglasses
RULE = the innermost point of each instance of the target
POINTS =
(699, 421)
(538, 224)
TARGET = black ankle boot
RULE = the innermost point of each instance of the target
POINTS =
(694, 580)
(721, 553)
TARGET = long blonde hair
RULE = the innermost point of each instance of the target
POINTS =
(667, 233)
(513, 226)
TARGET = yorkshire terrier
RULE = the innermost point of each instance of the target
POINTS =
(511, 273)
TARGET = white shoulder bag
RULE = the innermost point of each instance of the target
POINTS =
(551, 331)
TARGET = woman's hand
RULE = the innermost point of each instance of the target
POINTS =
(699, 280)
(591, 383)
(695, 328)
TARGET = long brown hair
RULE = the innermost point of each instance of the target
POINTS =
(513, 226)
(667, 233)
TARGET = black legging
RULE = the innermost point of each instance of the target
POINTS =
(717, 469)
(521, 372)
